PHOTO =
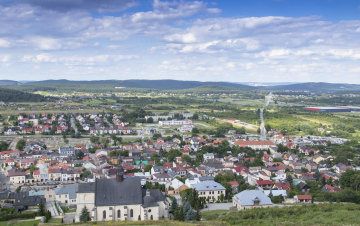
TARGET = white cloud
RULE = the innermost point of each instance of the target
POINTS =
(4, 43)
(44, 43)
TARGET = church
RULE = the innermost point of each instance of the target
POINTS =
(120, 199)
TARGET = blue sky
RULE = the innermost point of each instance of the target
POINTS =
(237, 41)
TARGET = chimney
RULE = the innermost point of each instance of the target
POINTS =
(147, 192)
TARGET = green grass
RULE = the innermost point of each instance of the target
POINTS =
(321, 214)
(20, 223)
(55, 220)
(66, 209)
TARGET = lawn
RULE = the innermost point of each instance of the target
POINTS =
(320, 214)
(55, 220)
(20, 223)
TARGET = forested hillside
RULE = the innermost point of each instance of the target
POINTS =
(8, 83)
(9, 95)
(148, 84)
(314, 87)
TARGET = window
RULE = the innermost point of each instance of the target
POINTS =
(218, 192)
(149, 210)
(118, 214)
(131, 213)
(104, 214)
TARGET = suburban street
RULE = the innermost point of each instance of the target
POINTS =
(73, 124)
(262, 127)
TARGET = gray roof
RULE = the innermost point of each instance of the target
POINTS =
(86, 187)
(247, 198)
(110, 192)
(206, 178)
(68, 189)
(208, 186)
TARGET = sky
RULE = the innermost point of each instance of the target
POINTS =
(221, 40)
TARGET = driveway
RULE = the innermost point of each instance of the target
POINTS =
(68, 218)
(51, 207)
(218, 206)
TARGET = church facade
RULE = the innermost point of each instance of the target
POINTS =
(121, 199)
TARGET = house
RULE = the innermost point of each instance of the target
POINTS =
(255, 144)
(17, 177)
(249, 199)
(208, 156)
(210, 190)
(303, 198)
(120, 199)
(264, 183)
(66, 195)
(328, 188)
(234, 186)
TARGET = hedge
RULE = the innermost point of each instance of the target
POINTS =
(28, 215)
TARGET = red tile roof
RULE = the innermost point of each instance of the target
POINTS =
(304, 197)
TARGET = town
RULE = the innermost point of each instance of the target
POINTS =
(87, 171)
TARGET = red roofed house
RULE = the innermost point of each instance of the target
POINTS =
(255, 144)
(234, 186)
(283, 186)
(264, 183)
(303, 198)
(10, 162)
(238, 169)
(267, 158)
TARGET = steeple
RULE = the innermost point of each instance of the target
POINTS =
(119, 174)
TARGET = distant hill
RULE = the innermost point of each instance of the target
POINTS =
(148, 84)
(8, 83)
(314, 87)
(10, 95)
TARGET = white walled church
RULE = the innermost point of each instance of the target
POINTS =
(120, 199)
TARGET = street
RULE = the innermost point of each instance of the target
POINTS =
(262, 127)
(73, 124)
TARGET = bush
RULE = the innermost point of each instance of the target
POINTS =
(26, 215)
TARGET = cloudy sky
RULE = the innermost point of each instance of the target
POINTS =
(221, 40)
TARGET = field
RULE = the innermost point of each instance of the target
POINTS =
(320, 214)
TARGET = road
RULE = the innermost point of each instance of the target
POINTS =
(73, 124)
(218, 206)
(262, 127)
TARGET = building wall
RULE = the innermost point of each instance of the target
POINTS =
(239, 207)
(17, 179)
(214, 193)
(111, 215)
(84, 199)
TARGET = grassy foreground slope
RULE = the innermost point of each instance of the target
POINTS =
(314, 214)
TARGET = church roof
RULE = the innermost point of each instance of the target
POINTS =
(110, 192)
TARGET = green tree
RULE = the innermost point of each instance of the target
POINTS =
(20, 144)
(289, 178)
(84, 215)
(41, 211)
(148, 168)
(186, 158)
(174, 204)
(317, 175)
(150, 120)
(94, 140)
(66, 141)
(18, 189)
(80, 155)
